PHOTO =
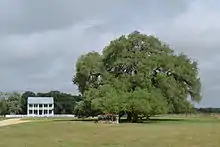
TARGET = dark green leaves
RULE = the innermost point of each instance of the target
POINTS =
(140, 75)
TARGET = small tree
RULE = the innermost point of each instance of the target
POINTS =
(3, 107)
(13, 102)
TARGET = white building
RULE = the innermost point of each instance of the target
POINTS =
(40, 106)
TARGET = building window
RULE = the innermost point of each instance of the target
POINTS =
(45, 105)
(50, 105)
(30, 111)
(35, 112)
(35, 105)
(30, 105)
(40, 112)
(40, 105)
(45, 112)
(50, 111)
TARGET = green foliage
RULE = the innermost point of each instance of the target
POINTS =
(16, 103)
(63, 103)
(13, 103)
(24, 98)
(3, 107)
(138, 74)
(87, 71)
(83, 108)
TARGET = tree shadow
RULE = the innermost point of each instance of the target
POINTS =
(143, 121)
(155, 120)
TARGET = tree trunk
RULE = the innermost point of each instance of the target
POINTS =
(135, 118)
(120, 115)
(148, 117)
(129, 117)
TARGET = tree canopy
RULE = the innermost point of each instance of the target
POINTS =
(24, 98)
(137, 74)
(64, 103)
(13, 103)
(3, 107)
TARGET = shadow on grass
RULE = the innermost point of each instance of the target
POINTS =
(151, 121)
(155, 120)
(124, 120)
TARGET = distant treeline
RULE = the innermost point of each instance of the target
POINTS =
(16, 103)
(65, 103)
(208, 110)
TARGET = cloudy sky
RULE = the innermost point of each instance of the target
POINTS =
(40, 40)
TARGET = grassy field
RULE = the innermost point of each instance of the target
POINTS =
(2, 118)
(163, 132)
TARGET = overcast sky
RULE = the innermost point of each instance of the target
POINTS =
(40, 40)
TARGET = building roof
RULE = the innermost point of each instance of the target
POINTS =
(40, 100)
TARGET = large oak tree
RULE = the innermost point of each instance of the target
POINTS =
(138, 74)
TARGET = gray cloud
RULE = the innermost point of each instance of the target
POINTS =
(25, 16)
(195, 32)
(40, 41)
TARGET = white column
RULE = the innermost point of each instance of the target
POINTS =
(52, 109)
(27, 109)
(42, 109)
(37, 109)
(48, 109)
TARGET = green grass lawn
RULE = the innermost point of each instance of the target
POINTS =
(2, 118)
(193, 132)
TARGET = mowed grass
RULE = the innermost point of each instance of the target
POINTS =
(2, 118)
(166, 132)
